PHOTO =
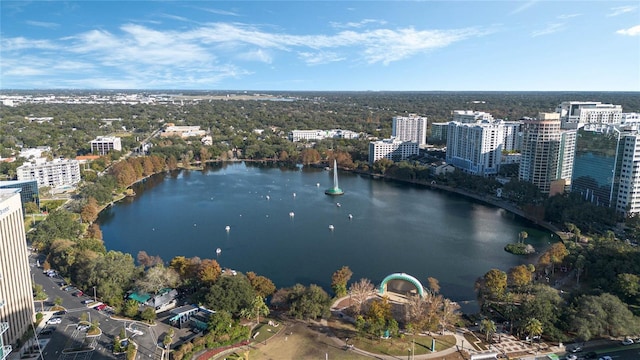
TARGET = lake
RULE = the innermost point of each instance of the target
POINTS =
(279, 226)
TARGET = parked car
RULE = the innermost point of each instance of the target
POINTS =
(47, 331)
(54, 321)
(83, 327)
(627, 341)
(572, 357)
(69, 288)
(88, 301)
(101, 307)
(605, 357)
(78, 293)
(576, 349)
(61, 312)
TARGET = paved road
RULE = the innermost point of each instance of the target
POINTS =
(67, 336)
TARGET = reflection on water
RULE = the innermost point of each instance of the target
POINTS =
(394, 227)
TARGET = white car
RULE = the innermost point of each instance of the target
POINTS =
(572, 357)
(54, 321)
(606, 357)
(627, 341)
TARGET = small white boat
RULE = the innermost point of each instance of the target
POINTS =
(317, 184)
(218, 251)
(331, 227)
(292, 214)
(338, 204)
(294, 194)
(227, 227)
(268, 197)
(350, 216)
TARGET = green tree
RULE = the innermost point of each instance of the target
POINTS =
(148, 314)
(522, 236)
(31, 208)
(533, 327)
(495, 282)
(602, 315)
(256, 308)
(229, 293)
(488, 327)
(131, 308)
(308, 303)
(339, 281)
(263, 286)
(520, 276)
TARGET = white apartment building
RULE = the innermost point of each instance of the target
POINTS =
(34, 153)
(310, 135)
(475, 148)
(16, 296)
(628, 194)
(470, 116)
(392, 149)
(410, 128)
(575, 114)
(59, 172)
(512, 132)
(102, 145)
(182, 131)
(630, 118)
(547, 152)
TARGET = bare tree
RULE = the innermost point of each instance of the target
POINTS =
(360, 291)
(158, 278)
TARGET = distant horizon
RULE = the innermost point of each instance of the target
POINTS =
(381, 46)
(315, 91)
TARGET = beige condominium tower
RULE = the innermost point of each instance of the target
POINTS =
(16, 296)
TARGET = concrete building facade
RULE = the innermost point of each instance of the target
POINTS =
(103, 145)
(56, 173)
(475, 148)
(470, 116)
(575, 114)
(16, 296)
(547, 152)
(392, 149)
(410, 128)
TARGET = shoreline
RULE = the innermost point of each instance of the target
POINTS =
(486, 199)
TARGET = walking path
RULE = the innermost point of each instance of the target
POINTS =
(504, 344)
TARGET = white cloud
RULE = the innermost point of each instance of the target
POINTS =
(259, 55)
(48, 25)
(619, 10)
(632, 31)
(322, 57)
(139, 56)
(568, 16)
(358, 24)
(523, 7)
(550, 29)
(218, 11)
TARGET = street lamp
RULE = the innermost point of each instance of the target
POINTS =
(94, 294)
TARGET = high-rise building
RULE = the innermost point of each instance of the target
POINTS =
(392, 149)
(628, 158)
(547, 152)
(475, 148)
(470, 116)
(439, 131)
(410, 128)
(59, 172)
(575, 114)
(16, 295)
(102, 145)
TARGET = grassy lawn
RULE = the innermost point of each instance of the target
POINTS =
(265, 331)
(397, 346)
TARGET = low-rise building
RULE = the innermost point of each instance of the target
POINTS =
(300, 135)
(182, 131)
(103, 145)
(56, 173)
(392, 149)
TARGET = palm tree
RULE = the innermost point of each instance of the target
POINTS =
(533, 327)
(488, 327)
(522, 236)
(257, 308)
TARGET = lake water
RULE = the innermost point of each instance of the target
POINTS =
(394, 227)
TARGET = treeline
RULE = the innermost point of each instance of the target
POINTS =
(605, 274)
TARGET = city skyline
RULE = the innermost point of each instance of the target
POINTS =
(322, 45)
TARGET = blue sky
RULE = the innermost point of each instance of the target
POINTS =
(321, 45)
